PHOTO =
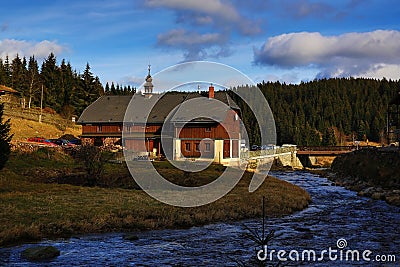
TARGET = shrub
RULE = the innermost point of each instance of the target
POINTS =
(94, 160)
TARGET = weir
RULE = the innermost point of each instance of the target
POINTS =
(285, 156)
(294, 156)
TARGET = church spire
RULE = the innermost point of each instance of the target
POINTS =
(148, 85)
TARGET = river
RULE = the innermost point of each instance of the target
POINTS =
(338, 224)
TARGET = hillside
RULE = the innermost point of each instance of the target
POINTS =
(25, 123)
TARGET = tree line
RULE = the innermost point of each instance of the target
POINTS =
(324, 112)
(64, 89)
(319, 112)
(119, 90)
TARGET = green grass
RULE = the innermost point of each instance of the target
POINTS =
(31, 210)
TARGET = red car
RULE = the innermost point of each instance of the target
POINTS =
(41, 141)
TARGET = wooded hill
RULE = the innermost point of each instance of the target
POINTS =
(324, 112)
(64, 89)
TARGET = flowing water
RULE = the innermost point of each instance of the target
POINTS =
(337, 221)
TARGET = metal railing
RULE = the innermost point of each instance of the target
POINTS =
(267, 152)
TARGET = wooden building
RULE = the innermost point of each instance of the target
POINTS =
(147, 120)
(8, 94)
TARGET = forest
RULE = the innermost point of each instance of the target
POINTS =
(325, 112)
(65, 90)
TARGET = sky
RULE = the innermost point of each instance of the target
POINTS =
(268, 40)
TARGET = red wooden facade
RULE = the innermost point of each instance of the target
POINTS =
(101, 129)
(198, 138)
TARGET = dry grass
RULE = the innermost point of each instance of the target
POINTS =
(31, 211)
(25, 124)
(23, 129)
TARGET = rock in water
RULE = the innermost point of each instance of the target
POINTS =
(131, 237)
(40, 253)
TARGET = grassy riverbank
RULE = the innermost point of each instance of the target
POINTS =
(371, 172)
(34, 205)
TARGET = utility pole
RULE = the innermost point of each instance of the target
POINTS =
(41, 106)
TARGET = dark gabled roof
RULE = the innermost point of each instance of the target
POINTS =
(112, 109)
(225, 98)
(105, 109)
(7, 89)
(211, 110)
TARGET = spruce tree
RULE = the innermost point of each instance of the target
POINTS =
(51, 76)
(329, 139)
(5, 138)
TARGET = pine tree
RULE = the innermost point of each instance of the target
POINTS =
(88, 91)
(2, 73)
(17, 74)
(50, 74)
(5, 138)
(107, 89)
(7, 72)
(329, 138)
(68, 83)
(113, 90)
(362, 131)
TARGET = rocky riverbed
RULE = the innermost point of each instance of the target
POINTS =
(370, 172)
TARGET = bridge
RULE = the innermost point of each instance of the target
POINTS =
(284, 156)
(295, 156)
(324, 150)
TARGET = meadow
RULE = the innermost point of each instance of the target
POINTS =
(39, 201)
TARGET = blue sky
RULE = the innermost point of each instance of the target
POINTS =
(285, 40)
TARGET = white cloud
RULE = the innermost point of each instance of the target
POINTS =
(206, 27)
(304, 8)
(183, 38)
(350, 54)
(12, 47)
(196, 46)
(388, 71)
(223, 15)
(211, 7)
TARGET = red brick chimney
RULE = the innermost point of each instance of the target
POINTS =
(211, 91)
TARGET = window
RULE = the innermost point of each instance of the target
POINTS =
(208, 129)
(208, 147)
(197, 147)
(99, 128)
(187, 146)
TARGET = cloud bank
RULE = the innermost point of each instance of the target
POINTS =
(194, 44)
(12, 47)
(205, 27)
(351, 54)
